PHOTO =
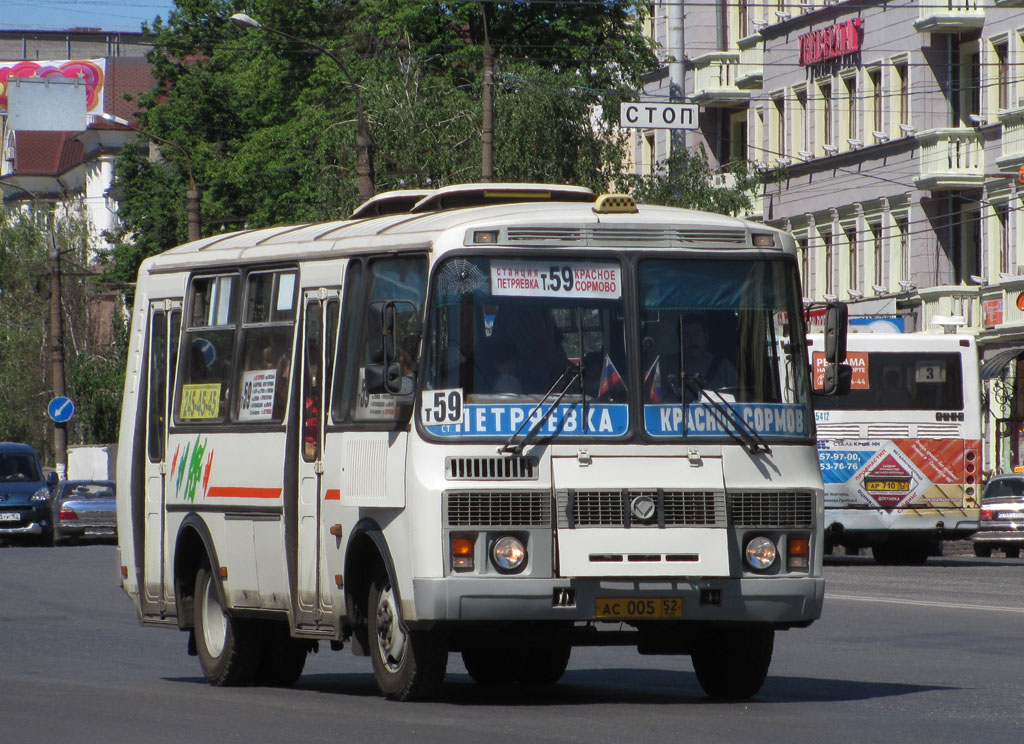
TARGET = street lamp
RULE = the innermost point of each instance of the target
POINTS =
(364, 140)
(192, 195)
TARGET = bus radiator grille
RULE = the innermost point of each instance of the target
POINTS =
(614, 508)
(499, 509)
(766, 509)
(490, 468)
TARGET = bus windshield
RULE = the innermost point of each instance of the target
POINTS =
(508, 334)
(725, 332)
(506, 331)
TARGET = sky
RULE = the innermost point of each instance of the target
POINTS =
(58, 15)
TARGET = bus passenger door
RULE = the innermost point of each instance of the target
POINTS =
(164, 327)
(319, 335)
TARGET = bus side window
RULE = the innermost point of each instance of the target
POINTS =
(402, 279)
(268, 325)
(208, 344)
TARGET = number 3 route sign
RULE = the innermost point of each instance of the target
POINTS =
(61, 409)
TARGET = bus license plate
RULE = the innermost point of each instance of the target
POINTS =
(887, 485)
(627, 608)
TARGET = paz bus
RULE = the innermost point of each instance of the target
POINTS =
(901, 453)
(495, 420)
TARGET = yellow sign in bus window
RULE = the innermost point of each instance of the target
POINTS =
(200, 401)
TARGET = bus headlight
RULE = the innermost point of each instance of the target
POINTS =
(761, 553)
(508, 554)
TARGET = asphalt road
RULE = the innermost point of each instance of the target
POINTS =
(926, 654)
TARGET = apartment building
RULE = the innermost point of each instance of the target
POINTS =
(892, 138)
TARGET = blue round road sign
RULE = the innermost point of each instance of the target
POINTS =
(61, 409)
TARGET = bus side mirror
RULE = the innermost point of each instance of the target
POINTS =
(838, 376)
(380, 332)
(384, 373)
(836, 317)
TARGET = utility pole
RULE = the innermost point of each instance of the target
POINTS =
(487, 104)
(60, 433)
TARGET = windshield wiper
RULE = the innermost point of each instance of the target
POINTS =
(741, 432)
(569, 375)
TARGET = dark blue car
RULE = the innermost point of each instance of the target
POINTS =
(24, 495)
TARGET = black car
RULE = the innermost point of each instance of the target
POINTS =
(24, 495)
(1002, 517)
(84, 509)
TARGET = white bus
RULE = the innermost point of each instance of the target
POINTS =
(495, 429)
(901, 453)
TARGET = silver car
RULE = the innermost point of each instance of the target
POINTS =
(84, 509)
(1002, 517)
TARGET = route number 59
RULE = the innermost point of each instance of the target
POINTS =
(442, 406)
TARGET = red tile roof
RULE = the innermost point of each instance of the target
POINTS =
(46, 153)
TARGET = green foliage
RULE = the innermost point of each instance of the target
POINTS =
(684, 180)
(94, 359)
(24, 290)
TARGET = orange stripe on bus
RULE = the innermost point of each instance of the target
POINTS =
(241, 492)
(333, 494)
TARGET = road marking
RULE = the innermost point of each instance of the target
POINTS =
(926, 603)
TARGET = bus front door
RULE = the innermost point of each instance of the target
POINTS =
(164, 326)
(319, 336)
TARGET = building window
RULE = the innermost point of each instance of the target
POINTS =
(647, 154)
(1002, 211)
(877, 258)
(900, 239)
(875, 78)
(851, 107)
(852, 270)
(826, 241)
(779, 144)
(901, 84)
(800, 126)
(825, 89)
(1002, 55)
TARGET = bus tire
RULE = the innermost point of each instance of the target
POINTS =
(544, 665)
(284, 657)
(1012, 552)
(732, 663)
(229, 648)
(407, 665)
(488, 665)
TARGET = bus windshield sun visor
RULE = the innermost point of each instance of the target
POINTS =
(995, 361)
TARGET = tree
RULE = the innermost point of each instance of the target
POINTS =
(684, 180)
(268, 123)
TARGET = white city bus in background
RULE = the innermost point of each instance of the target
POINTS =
(509, 420)
(901, 453)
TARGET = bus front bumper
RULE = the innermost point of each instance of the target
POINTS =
(780, 601)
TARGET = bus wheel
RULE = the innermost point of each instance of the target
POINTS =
(229, 648)
(544, 665)
(982, 551)
(406, 665)
(1012, 552)
(283, 659)
(732, 663)
(488, 665)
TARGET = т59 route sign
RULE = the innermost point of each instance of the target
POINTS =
(658, 115)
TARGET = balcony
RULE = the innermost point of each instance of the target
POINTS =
(950, 16)
(944, 302)
(1012, 156)
(951, 159)
(751, 72)
(715, 80)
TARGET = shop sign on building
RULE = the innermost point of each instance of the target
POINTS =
(992, 312)
(832, 42)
